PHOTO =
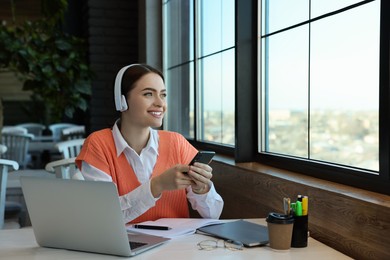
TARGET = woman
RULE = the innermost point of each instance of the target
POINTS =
(149, 167)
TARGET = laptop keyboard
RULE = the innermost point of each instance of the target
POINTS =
(134, 245)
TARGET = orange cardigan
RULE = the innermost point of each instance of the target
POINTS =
(99, 151)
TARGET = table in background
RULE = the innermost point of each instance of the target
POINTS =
(43, 138)
(42, 151)
(42, 143)
(20, 244)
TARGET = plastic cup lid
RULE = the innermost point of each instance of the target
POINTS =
(278, 218)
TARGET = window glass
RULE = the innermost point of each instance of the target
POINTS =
(178, 33)
(217, 95)
(216, 25)
(180, 86)
(201, 76)
(344, 88)
(321, 86)
(280, 14)
(320, 7)
(179, 30)
(287, 93)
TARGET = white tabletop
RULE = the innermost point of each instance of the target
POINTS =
(20, 244)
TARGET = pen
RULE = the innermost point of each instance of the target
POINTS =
(152, 227)
(293, 207)
(299, 208)
(305, 205)
(286, 206)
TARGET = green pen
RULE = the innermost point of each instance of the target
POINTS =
(293, 208)
(299, 208)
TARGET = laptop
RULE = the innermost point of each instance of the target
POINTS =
(248, 233)
(81, 215)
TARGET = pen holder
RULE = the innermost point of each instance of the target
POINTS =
(300, 231)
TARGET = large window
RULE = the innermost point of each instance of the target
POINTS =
(320, 84)
(321, 81)
(301, 85)
(199, 65)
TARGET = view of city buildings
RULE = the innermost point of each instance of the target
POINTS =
(346, 138)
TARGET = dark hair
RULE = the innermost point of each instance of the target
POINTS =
(133, 74)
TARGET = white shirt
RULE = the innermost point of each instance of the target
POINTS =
(138, 201)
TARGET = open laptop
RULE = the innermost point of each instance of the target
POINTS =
(81, 215)
(249, 234)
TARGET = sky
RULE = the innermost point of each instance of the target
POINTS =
(344, 56)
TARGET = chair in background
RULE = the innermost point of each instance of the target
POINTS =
(3, 149)
(8, 209)
(65, 169)
(74, 132)
(70, 148)
(17, 147)
(56, 130)
(14, 130)
(33, 128)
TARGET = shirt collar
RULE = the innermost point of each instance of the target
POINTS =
(121, 144)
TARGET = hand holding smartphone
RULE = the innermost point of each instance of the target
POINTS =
(203, 157)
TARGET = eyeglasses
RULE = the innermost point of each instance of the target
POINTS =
(213, 244)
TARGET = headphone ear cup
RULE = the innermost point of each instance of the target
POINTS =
(124, 106)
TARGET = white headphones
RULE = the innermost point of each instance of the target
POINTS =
(120, 100)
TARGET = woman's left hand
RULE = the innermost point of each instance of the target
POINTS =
(201, 175)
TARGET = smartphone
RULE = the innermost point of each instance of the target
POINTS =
(203, 157)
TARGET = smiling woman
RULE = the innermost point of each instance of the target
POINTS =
(147, 103)
(148, 165)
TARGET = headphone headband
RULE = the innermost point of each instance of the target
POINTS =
(120, 100)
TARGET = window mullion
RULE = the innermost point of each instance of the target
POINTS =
(246, 78)
(384, 92)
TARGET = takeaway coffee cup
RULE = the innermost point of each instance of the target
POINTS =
(280, 227)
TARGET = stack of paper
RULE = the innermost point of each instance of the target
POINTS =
(178, 226)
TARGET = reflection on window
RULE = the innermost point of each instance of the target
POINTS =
(178, 34)
(179, 30)
(180, 100)
(321, 84)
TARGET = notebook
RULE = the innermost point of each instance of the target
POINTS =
(248, 233)
(81, 215)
